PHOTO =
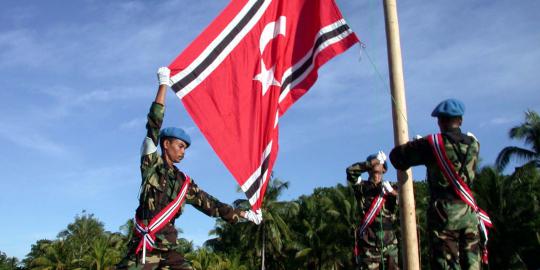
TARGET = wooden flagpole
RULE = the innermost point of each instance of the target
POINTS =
(401, 136)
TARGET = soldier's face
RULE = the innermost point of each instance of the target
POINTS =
(377, 173)
(175, 149)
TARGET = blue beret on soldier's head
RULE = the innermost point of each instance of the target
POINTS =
(374, 156)
(370, 157)
(174, 132)
(449, 108)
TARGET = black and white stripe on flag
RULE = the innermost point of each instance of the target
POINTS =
(246, 68)
(189, 78)
(325, 38)
(252, 186)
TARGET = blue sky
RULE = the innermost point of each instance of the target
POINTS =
(78, 77)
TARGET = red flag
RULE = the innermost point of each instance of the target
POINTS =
(247, 68)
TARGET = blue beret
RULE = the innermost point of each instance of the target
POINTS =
(370, 157)
(175, 132)
(374, 156)
(449, 108)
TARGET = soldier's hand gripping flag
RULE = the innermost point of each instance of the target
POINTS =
(239, 76)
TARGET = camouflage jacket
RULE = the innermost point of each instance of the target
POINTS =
(161, 184)
(365, 192)
(446, 208)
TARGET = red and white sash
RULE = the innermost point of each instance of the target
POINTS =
(369, 217)
(148, 232)
(460, 187)
(373, 211)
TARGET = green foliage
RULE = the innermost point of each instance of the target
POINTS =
(267, 241)
(529, 132)
(316, 231)
(84, 244)
(312, 232)
(421, 198)
(512, 201)
(8, 263)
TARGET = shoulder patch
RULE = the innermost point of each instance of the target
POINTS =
(148, 147)
(472, 135)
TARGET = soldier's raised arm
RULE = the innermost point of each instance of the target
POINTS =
(156, 114)
(410, 154)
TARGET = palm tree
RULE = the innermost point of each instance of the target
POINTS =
(8, 263)
(203, 259)
(513, 203)
(269, 239)
(37, 250)
(104, 252)
(311, 226)
(55, 257)
(327, 220)
(529, 131)
(80, 236)
(266, 241)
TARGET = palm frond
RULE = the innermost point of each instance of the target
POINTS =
(513, 152)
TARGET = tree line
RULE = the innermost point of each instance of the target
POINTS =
(316, 231)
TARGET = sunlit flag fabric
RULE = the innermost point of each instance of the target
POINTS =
(245, 70)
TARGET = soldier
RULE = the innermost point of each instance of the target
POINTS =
(376, 241)
(450, 158)
(163, 191)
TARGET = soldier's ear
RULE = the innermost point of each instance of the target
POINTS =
(165, 143)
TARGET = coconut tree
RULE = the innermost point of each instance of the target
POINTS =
(55, 257)
(80, 235)
(513, 203)
(104, 252)
(203, 259)
(324, 231)
(529, 132)
(8, 263)
(259, 242)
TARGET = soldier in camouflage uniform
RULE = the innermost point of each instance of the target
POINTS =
(452, 224)
(161, 183)
(378, 242)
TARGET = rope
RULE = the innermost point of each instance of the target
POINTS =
(386, 89)
(385, 83)
(382, 238)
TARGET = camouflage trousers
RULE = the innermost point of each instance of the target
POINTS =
(370, 257)
(377, 249)
(455, 249)
(156, 260)
(454, 236)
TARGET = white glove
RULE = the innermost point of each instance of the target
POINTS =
(381, 157)
(255, 217)
(387, 187)
(164, 76)
(359, 180)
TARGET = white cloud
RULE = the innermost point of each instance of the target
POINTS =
(500, 121)
(133, 123)
(20, 47)
(96, 181)
(32, 139)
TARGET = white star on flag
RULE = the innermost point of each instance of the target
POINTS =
(266, 77)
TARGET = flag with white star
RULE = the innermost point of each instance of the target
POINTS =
(239, 76)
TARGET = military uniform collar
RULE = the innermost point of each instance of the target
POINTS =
(456, 136)
(372, 181)
(171, 170)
